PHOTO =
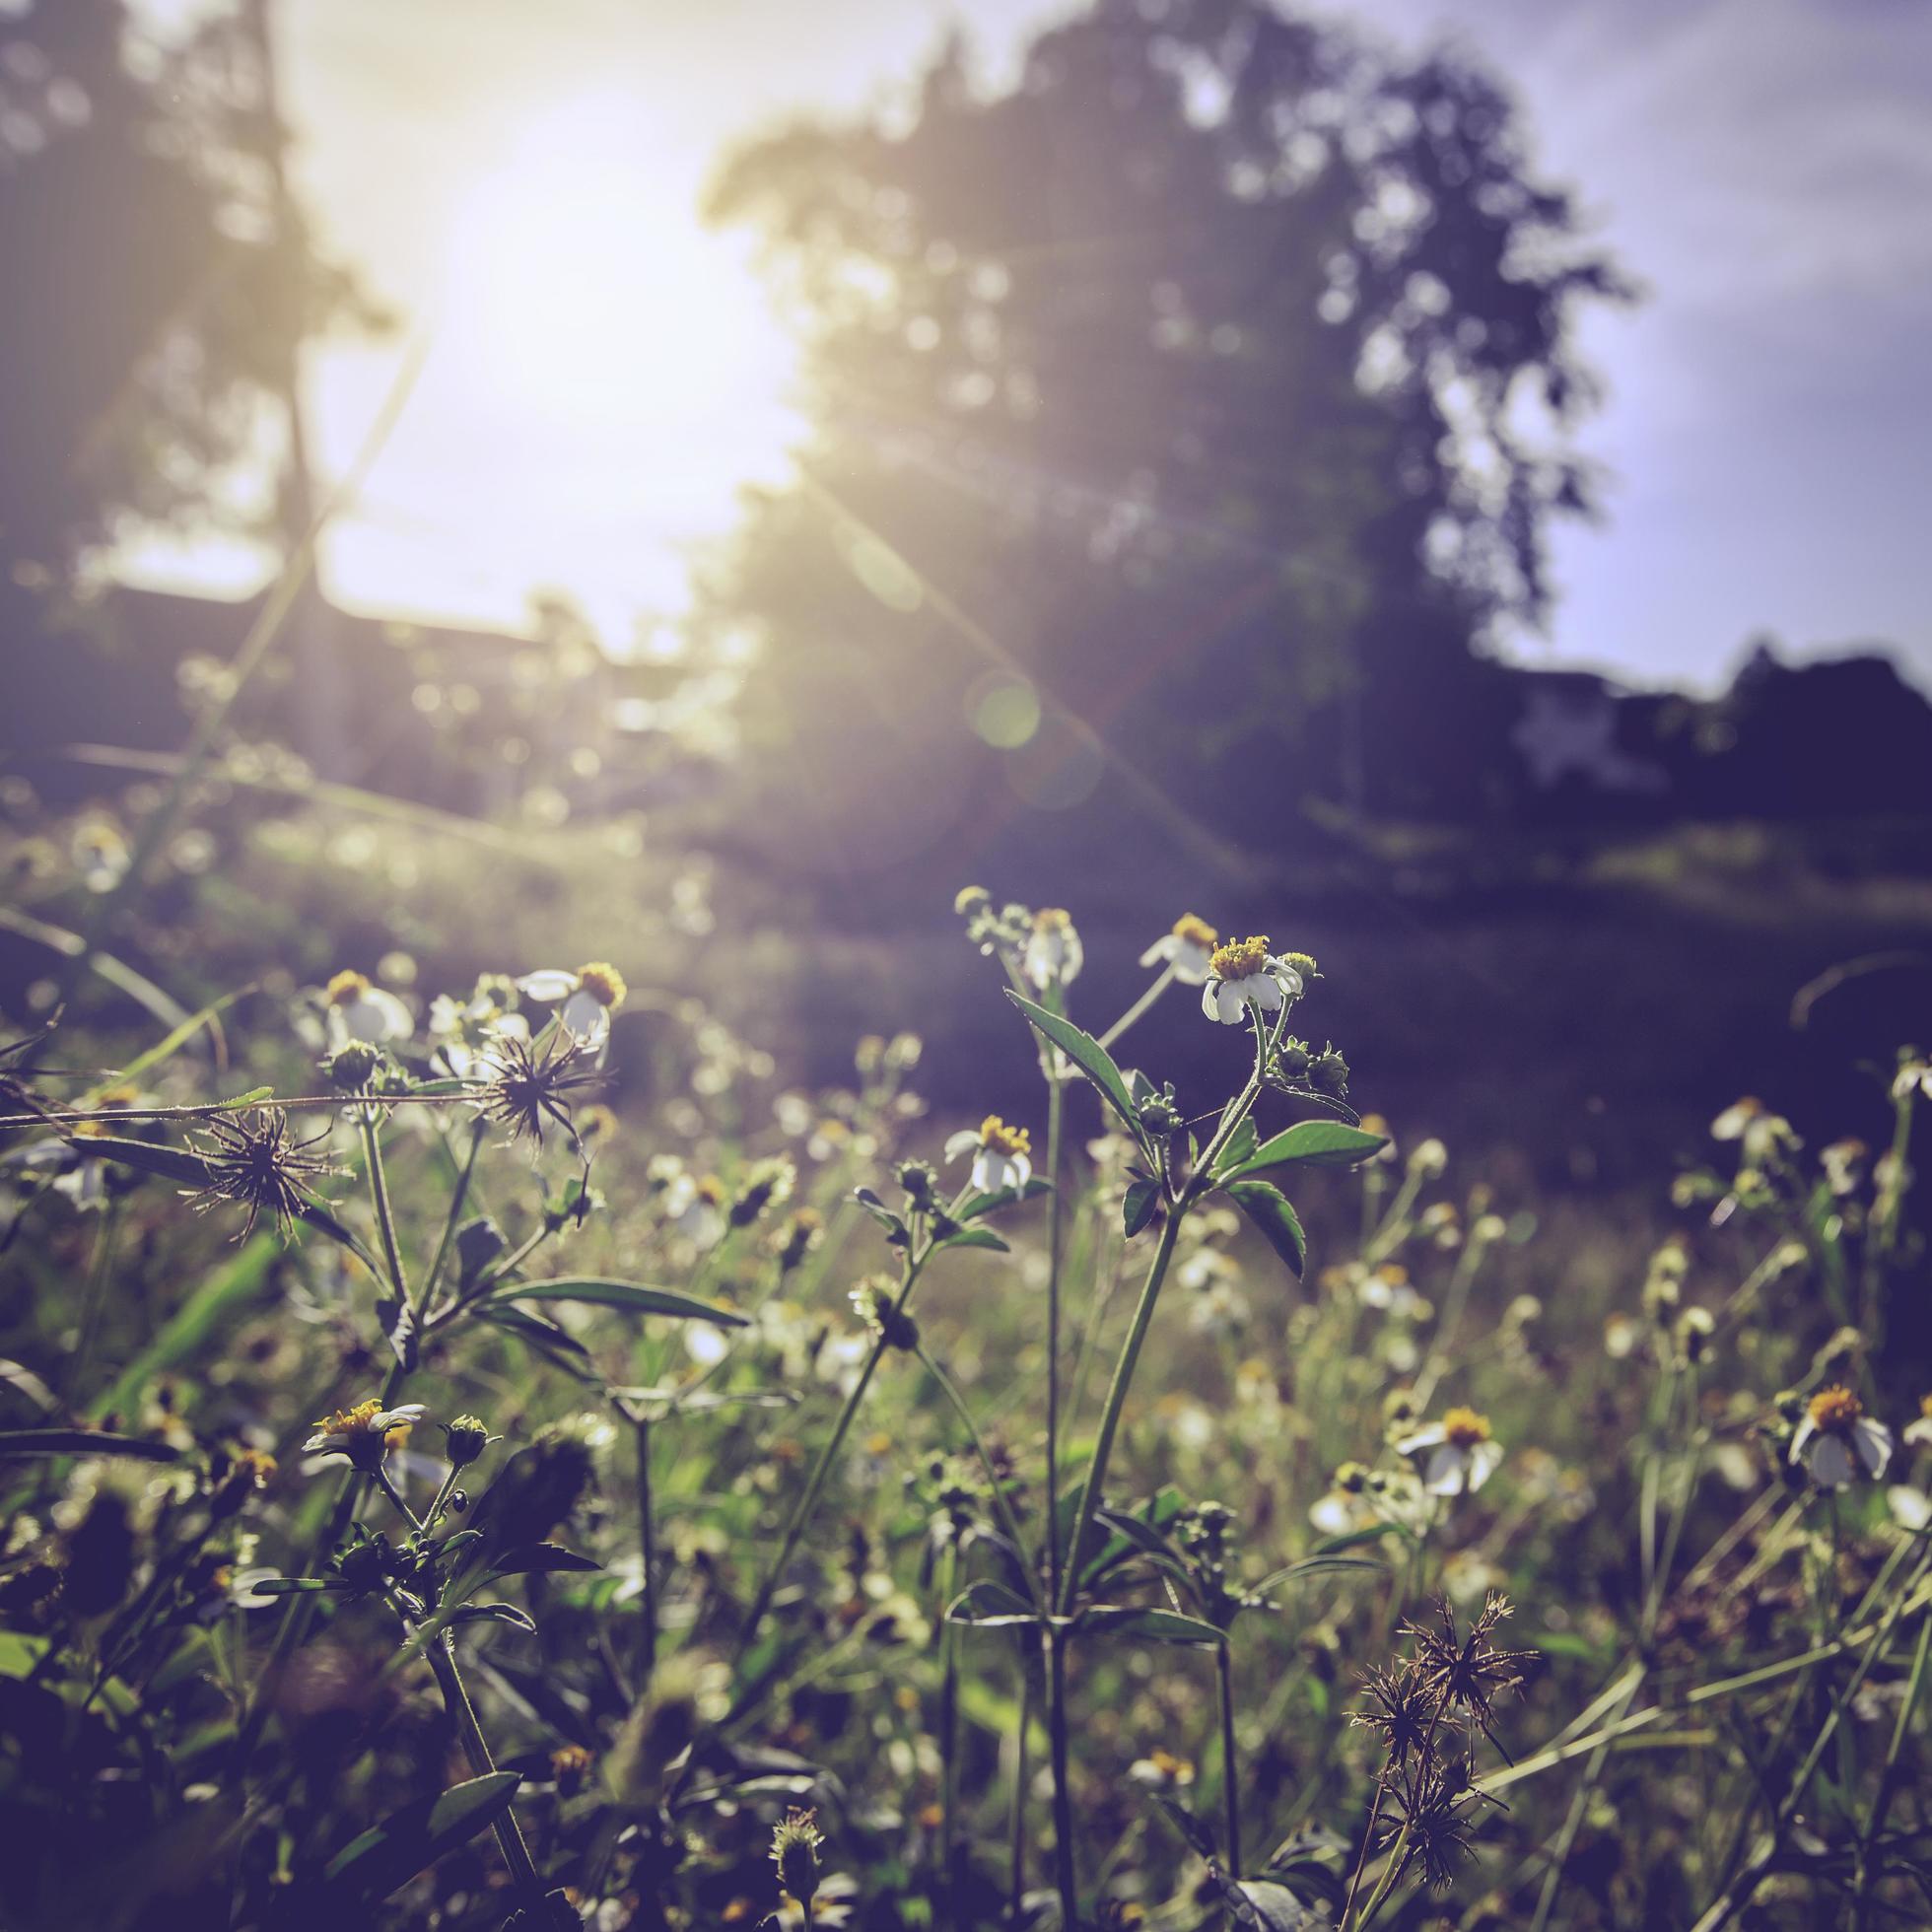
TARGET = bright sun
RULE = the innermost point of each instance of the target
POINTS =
(604, 377)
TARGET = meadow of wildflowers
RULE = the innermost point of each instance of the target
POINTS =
(451, 1485)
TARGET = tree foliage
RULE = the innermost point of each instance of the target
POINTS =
(1212, 385)
(153, 280)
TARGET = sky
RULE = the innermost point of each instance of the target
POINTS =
(589, 408)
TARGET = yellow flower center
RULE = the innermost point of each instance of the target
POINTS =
(604, 983)
(1239, 959)
(1834, 1409)
(1051, 919)
(1193, 931)
(345, 987)
(711, 1189)
(1464, 1429)
(1925, 1406)
(996, 1138)
(357, 1421)
(570, 1759)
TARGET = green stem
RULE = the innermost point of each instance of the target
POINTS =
(510, 1836)
(378, 1190)
(1141, 1007)
(96, 1294)
(1007, 1521)
(647, 1558)
(1016, 1814)
(1881, 1803)
(1110, 1416)
(1062, 1801)
(822, 1467)
(1231, 1789)
(1055, 1105)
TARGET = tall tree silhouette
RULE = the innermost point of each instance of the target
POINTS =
(1211, 387)
(153, 282)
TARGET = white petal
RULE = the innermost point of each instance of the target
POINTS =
(1211, 1000)
(983, 1172)
(1190, 962)
(397, 1022)
(547, 984)
(1482, 1462)
(1286, 977)
(584, 1015)
(1831, 1462)
(960, 1143)
(1445, 1470)
(1019, 1170)
(1163, 949)
(1264, 992)
(1800, 1436)
(1232, 1008)
(1423, 1438)
(1873, 1441)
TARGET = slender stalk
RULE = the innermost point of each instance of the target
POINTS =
(1056, 1108)
(647, 1558)
(1109, 1416)
(378, 1192)
(1008, 1522)
(1231, 1789)
(822, 1467)
(95, 1295)
(1141, 1007)
(949, 1741)
(1016, 1814)
(510, 1836)
(1881, 1803)
(1063, 1802)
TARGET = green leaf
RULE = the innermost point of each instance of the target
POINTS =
(408, 1842)
(974, 1237)
(1267, 1207)
(991, 1606)
(493, 1613)
(1240, 1145)
(290, 1586)
(1155, 1626)
(1307, 1143)
(84, 1442)
(1138, 1208)
(894, 1225)
(1314, 1566)
(1089, 1056)
(1261, 1906)
(537, 1557)
(636, 1296)
(973, 1205)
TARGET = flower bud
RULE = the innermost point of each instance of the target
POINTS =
(351, 1067)
(465, 1438)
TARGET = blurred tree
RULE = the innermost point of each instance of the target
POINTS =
(1185, 419)
(155, 283)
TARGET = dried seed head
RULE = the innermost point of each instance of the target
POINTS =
(254, 1162)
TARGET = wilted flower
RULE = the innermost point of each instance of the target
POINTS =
(1003, 1156)
(1242, 973)
(801, 1234)
(361, 1433)
(530, 1086)
(358, 1009)
(1053, 954)
(1836, 1436)
(1186, 950)
(795, 1842)
(876, 1301)
(256, 1164)
(590, 996)
(1461, 1456)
